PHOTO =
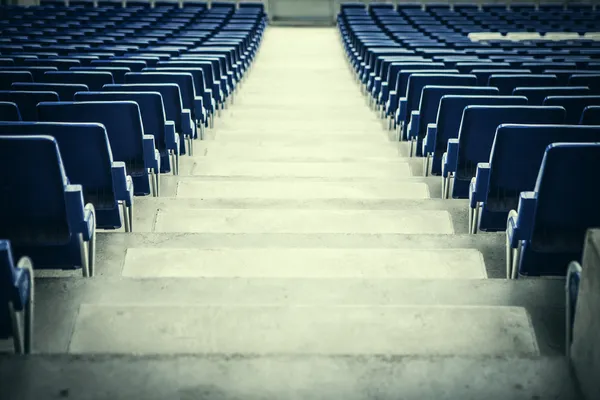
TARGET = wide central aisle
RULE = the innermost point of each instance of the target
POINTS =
(301, 254)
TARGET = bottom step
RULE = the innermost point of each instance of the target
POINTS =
(232, 377)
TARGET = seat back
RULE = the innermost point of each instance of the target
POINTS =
(573, 104)
(397, 67)
(590, 80)
(121, 119)
(32, 205)
(37, 73)
(8, 291)
(431, 96)
(85, 153)
(118, 73)
(483, 75)
(478, 130)
(536, 95)
(133, 65)
(65, 91)
(451, 110)
(517, 154)
(211, 76)
(566, 207)
(507, 83)
(9, 111)
(416, 83)
(94, 80)
(170, 96)
(405, 74)
(185, 81)
(7, 78)
(151, 110)
(590, 116)
(28, 101)
(197, 74)
(60, 64)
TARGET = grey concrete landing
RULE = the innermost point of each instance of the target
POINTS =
(331, 330)
(304, 263)
(60, 300)
(227, 189)
(388, 169)
(302, 221)
(284, 377)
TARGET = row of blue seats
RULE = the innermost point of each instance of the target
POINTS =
(76, 145)
(494, 134)
(436, 19)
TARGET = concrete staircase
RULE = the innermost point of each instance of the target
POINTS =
(300, 255)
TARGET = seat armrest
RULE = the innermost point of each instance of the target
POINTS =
(199, 109)
(187, 125)
(149, 148)
(430, 138)
(479, 191)
(403, 112)
(75, 210)
(452, 155)
(413, 132)
(519, 225)
(171, 138)
(121, 182)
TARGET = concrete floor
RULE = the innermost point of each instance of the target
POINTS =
(299, 241)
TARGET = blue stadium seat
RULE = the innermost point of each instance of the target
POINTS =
(134, 65)
(415, 86)
(573, 104)
(199, 86)
(60, 64)
(483, 75)
(590, 80)
(185, 81)
(476, 136)
(87, 161)
(7, 78)
(547, 230)
(537, 95)
(174, 111)
(9, 111)
(94, 80)
(37, 73)
(118, 73)
(394, 96)
(65, 91)
(153, 120)
(590, 116)
(42, 214)
(16, 299)
(27, 102)
(125, 132)
(513, 167)
(448, 121)
(428, 109)
(211, 75)
(507, 83)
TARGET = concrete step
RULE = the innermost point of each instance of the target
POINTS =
(384, 307)
(299, 329)
(113, 247)
(289, 151)
(388, 169)
(146, 315)
(178, 219)
(289, 377)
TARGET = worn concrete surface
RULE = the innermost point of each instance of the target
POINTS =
(298, 232)
(283, 377)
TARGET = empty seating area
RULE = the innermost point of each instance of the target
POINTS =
(508, 84)
(392, 207)
(85, 102)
